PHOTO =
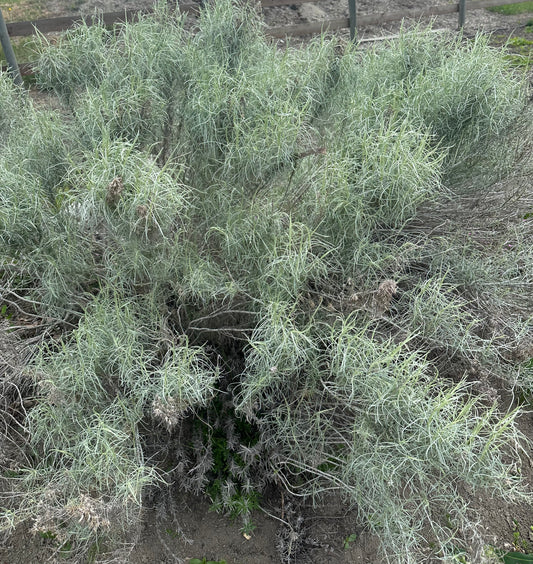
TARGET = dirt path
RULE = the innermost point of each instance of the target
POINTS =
(315, 12)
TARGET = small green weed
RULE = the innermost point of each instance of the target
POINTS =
(449, 522)
(513, 9)
(519, 543)
(518, 61)
(4, 312)
(493, 554)
(47, 535)
(222, 431)
(520, 52)
(240, 504)
(66, 550)
(520, 42)
(349, 540)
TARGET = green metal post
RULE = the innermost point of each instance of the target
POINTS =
(462, 13)
(8, 52)
(353, 19)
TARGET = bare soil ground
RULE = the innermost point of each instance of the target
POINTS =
(316, 12)
(177, 527)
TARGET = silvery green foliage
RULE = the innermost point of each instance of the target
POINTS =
(95, 389)
(219, 230)
(13, 106)
(380, 427)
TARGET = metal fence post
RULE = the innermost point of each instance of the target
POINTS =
(353, 19)
(8, 52)
(462, 13)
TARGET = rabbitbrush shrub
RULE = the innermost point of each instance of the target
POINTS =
(236, 260)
